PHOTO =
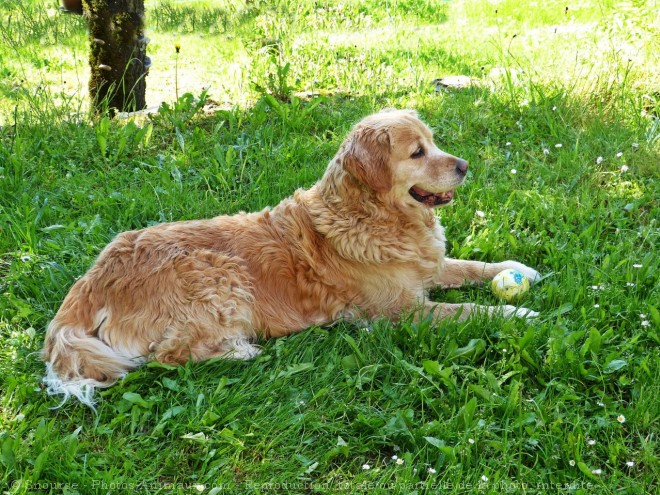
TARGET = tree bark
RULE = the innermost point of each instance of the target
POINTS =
(118, 60)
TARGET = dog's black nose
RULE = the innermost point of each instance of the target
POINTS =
(461, 166)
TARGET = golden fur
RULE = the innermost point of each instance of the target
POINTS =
(363, 242)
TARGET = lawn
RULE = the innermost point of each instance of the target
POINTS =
(561, 126)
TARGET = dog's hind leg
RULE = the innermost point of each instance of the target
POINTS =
(239, 348)
(192, 343)
(213, 316)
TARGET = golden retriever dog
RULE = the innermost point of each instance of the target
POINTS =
(362, 243)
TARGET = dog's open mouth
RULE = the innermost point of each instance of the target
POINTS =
(431, 199)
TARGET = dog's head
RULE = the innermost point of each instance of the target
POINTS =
(392, 152)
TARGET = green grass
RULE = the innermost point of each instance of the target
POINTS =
(486, 406)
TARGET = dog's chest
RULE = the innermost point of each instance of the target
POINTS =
(420, 271)
(430, 259)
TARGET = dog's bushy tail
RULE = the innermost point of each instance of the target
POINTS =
(77, 363)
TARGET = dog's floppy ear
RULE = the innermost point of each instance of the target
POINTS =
(367, 158)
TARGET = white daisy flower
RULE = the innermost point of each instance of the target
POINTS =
(399, 461)
(514, 171)
(546, 151)
(471, 440)
(199, 488)
(630, 463)
(621, 418)
(591, 442)
(630, 284)
(432, 471)
(597, 472)
(395, 457)
(646, 323)
(508, 143)
(599, 160)
(619, 154)
(571, 462)
(480, 213)
(601, 404)
(624, 168)
(366, 467)
(558, 145)
(596, 305)
(484, 477)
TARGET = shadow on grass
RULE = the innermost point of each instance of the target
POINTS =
(63, 198)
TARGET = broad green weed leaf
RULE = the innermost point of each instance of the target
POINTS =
(135, 398)
(614, 365)
(436, 442)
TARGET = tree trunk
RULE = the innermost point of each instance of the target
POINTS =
(118, 58)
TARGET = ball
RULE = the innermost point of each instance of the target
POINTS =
(510, 284)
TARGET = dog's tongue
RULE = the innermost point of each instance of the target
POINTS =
(431, 199)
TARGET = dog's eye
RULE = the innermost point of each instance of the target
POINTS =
(419, 152)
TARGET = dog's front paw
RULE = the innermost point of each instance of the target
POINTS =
(512, 311)
(528, 272)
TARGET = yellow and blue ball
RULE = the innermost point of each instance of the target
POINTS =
(510, 284)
